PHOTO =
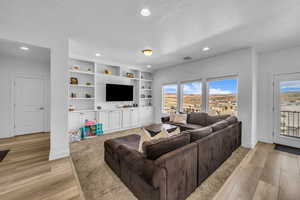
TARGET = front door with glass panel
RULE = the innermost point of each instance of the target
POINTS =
(287, 110)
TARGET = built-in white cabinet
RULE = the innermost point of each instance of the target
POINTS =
(77, 119)
(146, 115)
(131, 117)
(111, 120)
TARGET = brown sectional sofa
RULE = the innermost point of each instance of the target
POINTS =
(172, 168)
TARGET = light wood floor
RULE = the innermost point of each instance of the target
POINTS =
(26, 173)
(265, 174)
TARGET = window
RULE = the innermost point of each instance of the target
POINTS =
(191, 97)
(169, 98)
(222, 96)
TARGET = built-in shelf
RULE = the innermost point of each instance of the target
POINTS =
(146, 80)
(81, 72)
(146, 98)
(116, 76)
(82, 98)
(81, 111)
(86, 86)
(146, 89)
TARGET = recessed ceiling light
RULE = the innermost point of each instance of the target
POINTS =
(98, 54)
(24, 48)
(147, 52)
(149, 66)
(145, 12)
(206, 49)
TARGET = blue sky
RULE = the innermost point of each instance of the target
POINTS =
(290, 86)
(215, 87)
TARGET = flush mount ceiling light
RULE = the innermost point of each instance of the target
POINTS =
(98, 54)
(147, 52)
(206, 49)
(145, 12)
(24, 48)
(149, 66)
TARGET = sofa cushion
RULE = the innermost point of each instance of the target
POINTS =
(197, 118)
(155, 148)
(231, 120)
(216, 118)
(191, 126)
(219, 125)
(199, 133)
(180, 118)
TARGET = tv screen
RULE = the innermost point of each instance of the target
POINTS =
(119, 92)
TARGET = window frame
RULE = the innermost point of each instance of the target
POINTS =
(162, 95)
(181, 85)
(205, 92)
(231, 77)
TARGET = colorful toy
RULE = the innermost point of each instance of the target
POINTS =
(91, 130)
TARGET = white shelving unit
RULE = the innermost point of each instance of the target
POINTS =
(92, 79)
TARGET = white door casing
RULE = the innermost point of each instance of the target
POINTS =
(29, 105)
(279, 137)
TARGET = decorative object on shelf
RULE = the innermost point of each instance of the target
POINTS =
(130, 75)
(74, 136)
(71, 108)
(88, 84)
(73, 95)
(76, 67)
(149, 96)
(135, 105)
(149, 87)
(99, 107)
(88, 95)
(108, 71)
(143, 96)
(74, 81)
(143, 87)
(142, 77)
(89, 69)
(91, 129)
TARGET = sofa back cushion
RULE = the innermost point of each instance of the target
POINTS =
(155, 148)
(215, 118)
(219, 125)
(197, 118)
(198, 134)
(231, 120)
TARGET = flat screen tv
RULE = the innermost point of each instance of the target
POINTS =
(116, 92)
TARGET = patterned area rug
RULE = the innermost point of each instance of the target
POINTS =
(98, 181)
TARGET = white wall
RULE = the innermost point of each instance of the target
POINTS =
(270, 64)
(240, 63)
(9, 67)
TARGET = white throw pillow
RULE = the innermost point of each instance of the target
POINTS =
(180, 118)
(145, 136)
(172, 116)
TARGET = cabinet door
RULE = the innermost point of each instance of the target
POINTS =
(104, 119)
(149, 116)
(134, 117)
(126, 118)
(74, 121)
(90, 116)
(115, 120)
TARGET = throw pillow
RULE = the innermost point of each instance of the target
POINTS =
(172, 116)
(146, 136)
(180, 118)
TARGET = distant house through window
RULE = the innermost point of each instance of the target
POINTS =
(222, 96)
(191, 97)
(169, 98)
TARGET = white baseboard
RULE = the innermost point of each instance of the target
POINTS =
(57, 155)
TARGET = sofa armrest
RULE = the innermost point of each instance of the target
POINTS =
(143, 167)
(181, 171)
(165, 119)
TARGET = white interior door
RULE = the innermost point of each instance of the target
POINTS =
(287, 110)
(29, 108)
